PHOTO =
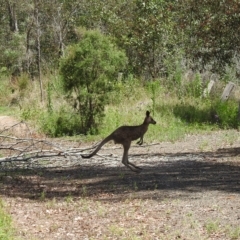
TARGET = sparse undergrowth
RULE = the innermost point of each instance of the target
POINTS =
(176, 112)
(6, 230)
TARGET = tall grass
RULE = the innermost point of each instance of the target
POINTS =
(6, 230)
(175, 117)
(178, 109)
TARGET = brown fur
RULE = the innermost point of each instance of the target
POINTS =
(125, 135)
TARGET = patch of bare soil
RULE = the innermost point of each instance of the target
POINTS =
(187, 190)
(11, 125)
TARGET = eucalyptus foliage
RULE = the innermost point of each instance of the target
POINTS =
(151, 32)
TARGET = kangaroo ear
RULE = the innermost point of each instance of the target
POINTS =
(147, 113)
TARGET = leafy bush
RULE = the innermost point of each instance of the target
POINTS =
(206, 111)
(154, 89)
(88, 71)
(60, 123)
(30, 113)
(227, 113)
(193, 112)
(195, 87)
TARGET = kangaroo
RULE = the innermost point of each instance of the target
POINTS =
(125, 135)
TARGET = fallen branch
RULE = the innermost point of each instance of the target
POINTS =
(20, 149)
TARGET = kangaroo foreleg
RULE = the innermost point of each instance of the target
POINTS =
(140, 142)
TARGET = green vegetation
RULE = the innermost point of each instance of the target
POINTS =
(88, 71)
(212, 227)
(176, 115)
(157, 35)
(84, 68)
(6, 230)
(63, 65)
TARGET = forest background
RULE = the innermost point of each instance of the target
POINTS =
(172, 50)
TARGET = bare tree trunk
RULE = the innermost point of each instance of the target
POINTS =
(28, 57)
(13, 23)
(39, 51)
(239, 111)
(59, 28)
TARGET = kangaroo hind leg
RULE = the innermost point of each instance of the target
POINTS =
(125, 161)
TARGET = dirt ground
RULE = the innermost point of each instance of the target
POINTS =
(187, 190)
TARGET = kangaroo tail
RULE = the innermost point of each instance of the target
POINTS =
(104, 141)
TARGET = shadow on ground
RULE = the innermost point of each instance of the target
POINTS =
(185, 172)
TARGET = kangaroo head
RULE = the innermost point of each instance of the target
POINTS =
(148, 119)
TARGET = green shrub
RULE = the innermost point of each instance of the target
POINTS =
(206, 111)
(154, 89)
(227, 113)
(60, 123)
(88, 71)
(194, 88)
(193, 112)
(23, 81)
(29, 113)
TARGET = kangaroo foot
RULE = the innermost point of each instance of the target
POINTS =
(136, 170)
(132, 167)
